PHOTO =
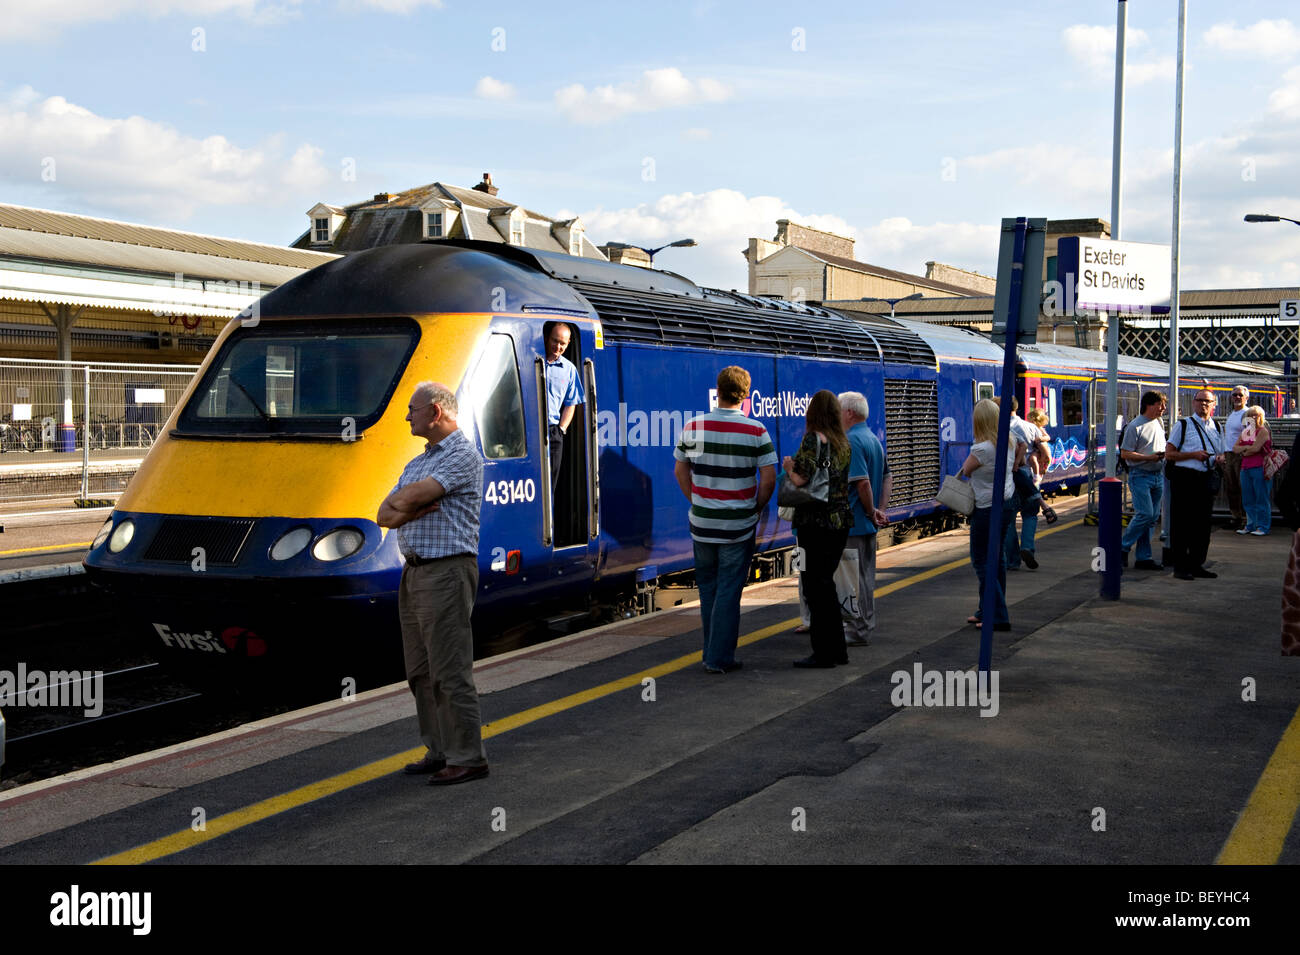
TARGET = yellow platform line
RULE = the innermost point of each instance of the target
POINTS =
(266, 808)
(1270, 812)
(33, 550)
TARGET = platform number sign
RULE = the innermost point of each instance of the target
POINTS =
(1288, 310)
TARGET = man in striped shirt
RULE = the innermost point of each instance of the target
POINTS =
(717, 458)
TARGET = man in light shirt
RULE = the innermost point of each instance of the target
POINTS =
(1232, 459)
(1194, 446)
(1143, 449)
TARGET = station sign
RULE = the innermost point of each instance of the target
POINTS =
(1113, 276)
(1027, 307)
(1288, 311)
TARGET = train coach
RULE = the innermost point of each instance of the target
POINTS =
(247, 539)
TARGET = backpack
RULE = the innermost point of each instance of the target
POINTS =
(1121, 466)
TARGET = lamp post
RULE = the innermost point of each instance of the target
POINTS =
(1255, 217)
(679, 244)
(894, 301)
(1258, 218)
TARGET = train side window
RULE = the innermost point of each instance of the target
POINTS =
(983, 389)
(498, 400)
(1071, 406)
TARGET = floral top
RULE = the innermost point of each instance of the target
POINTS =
(836, 513)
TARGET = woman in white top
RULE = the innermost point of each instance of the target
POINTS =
(980, 468)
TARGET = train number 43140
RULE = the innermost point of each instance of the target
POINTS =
(510, 492)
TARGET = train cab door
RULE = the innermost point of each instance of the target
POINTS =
(570, 506)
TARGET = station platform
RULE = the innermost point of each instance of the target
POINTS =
(1162, 728)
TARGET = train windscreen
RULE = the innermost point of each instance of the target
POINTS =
(290, 378)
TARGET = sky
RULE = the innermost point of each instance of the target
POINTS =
(913, 128)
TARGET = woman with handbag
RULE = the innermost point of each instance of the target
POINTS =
(818, 477)
(980, 468)
(1256, 499)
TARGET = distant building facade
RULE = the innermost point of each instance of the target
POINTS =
(806, 264)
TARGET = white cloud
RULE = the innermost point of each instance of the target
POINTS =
(21, 19)
(898, 243)
(140, 166)
(653, 90)
(1285, 101)
(697, 134)
(722, 222)
(1267, 39)
(1093, 48)
(24, 19)
(489, 88)
(394, 6)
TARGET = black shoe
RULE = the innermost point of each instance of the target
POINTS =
(731, 667)
(1030, 560)
(1181, 576)
(453, 775)
(812, 663)
(1202, 572)
(1002, 627)
(1148, 565)
(842, 663)
(424, 766)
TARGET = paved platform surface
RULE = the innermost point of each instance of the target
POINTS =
(1149, 730)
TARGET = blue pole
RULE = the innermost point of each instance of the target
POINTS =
(993, 557)
(1109, 505)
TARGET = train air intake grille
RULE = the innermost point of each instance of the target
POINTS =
(221, 540)
(912, 440)
(740, 323)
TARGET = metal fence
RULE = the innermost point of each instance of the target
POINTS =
(80, 426)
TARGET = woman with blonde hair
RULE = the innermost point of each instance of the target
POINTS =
(980, 468)
(1256, 499)
(822, 529)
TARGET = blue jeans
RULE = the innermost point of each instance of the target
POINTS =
(979, 545)
(720, 573)
(1028, 499)
(1145, 488)
(1256, 500)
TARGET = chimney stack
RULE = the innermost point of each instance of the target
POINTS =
(486, 185)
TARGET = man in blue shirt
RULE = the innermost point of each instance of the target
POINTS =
(869, 482)
(435, 509)
(563, 392)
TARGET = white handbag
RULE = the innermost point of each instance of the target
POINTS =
(957, 495)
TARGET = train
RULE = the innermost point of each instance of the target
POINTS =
(247, 543)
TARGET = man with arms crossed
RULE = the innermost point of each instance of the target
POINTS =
(1194, 446)
(435, 508)
(1143, 448)
(717, 457)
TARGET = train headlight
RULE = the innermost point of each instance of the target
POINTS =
(103, 534)
(291, 544)
(122, 536)
(338, 544)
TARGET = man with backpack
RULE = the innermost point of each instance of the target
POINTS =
(1142, 450)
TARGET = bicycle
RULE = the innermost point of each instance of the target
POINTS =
(18, 438)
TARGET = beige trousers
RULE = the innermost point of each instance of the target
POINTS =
(434, 603)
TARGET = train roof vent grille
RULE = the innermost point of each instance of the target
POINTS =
(654, 319)
(912, 439)
(221, 540)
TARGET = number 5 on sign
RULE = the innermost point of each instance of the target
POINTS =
(1288, 310)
